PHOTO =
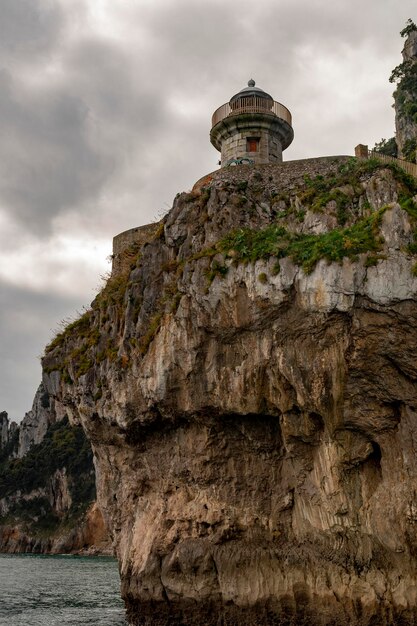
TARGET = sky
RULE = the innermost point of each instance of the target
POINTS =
(105, 109)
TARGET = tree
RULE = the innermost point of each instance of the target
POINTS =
(409, 28)
(387, 146)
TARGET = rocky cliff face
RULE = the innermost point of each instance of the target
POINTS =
(35, 423)
(47, 486)
(249, 389)
(4, 429)
(89, 536)
(405, 99)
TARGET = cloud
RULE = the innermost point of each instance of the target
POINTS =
(48, 161)
(28, 319)
(29, 29)
(105, 109)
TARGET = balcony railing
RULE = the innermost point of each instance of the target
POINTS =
(251, 104)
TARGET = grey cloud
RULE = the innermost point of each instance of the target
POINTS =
(28, 27)
(115, 86)
(110, 122)
(49, 162)
(27, 321)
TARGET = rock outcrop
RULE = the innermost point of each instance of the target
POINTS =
(35, 423)
(248, 385)
(47, 486)
(88, 537)
(405, 99)
(4, 429)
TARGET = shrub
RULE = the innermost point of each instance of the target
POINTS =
(304, 249)
(387, 146)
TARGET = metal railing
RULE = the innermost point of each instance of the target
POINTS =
(251, 104)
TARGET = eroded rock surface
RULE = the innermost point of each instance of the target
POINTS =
(255, 426)
(404, 98)
(47, 486)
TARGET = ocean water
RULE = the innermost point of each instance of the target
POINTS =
(38, 590)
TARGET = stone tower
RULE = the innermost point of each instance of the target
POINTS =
(251, 128)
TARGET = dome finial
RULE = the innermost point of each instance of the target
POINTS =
(251, 83)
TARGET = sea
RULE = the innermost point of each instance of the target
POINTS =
(39, 590)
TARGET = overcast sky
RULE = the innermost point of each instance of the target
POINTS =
(105, 109)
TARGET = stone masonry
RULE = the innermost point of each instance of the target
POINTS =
(270, 150)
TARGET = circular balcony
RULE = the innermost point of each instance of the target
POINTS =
(251, 104)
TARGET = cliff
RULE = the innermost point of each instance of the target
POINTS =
(405, 95)
(47, 485)
(248, 384)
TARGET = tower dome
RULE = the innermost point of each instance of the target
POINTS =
(251, 128)
(250, 90)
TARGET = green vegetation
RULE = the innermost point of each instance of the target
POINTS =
(305, 250)
(409, 205)
(405, 78)
(343, 188)
(242, 185)
(352, 173)
(79, 326)
(63, 446)
(409, 149)
(216, 269)
(387, 146)
(113, 293)
(97, 335)
(361, 236)
(320, 191)
(153, 328)
(409, 28)
(84, 334)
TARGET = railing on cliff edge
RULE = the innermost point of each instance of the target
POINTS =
(362, 152)
(251, 104)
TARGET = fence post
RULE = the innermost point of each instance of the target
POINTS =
(361, 151)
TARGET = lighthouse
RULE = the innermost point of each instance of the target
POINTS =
(252, 128)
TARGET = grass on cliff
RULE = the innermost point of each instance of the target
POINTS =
(96, 335)
(82, 336)
(306, 250)
(319, 191)
(80, 326)
(249, 245)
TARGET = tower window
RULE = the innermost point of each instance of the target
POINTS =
(252, 144)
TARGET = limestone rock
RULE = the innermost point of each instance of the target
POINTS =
(253, 424)
(41, 494)
(35, 423)
(4, 429)
(405, 124)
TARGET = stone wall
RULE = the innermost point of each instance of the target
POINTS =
(230, 135)
(126, 244)
(269, 148)
(290, 174)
